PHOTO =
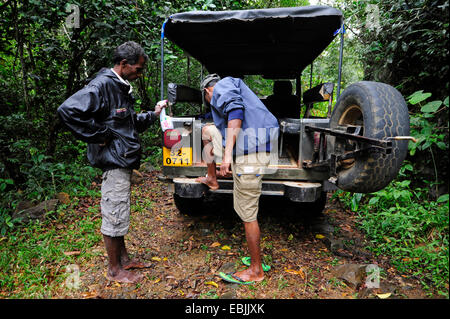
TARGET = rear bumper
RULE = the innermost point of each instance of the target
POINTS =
(295, 191)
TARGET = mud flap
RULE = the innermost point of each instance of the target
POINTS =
(302, 192)
(189, 188)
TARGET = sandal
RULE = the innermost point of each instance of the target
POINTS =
(247, 261)
(231, 277)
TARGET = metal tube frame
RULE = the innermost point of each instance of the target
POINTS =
(341, 51)
(162, 59)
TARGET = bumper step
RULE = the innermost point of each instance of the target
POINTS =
(295, 191)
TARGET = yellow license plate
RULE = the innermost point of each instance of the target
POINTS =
(179, 157)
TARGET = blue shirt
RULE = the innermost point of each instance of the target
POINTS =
(233, 99)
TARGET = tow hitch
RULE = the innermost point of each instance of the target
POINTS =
(351, 134)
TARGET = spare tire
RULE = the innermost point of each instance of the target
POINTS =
(382, 112)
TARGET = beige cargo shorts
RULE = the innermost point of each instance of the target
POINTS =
(247, 171)
(115, 202)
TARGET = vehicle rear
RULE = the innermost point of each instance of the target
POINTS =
(347, 146)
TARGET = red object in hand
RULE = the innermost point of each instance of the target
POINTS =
(171, 137)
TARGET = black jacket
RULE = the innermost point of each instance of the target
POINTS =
(103, 112)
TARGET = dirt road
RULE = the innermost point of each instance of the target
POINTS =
(311, 256)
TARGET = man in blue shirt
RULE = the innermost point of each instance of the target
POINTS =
(244, 130)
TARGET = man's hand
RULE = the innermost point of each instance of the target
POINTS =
(224, 170)
(233, 129)
(159, 106)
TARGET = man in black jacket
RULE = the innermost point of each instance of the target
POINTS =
(102, 114)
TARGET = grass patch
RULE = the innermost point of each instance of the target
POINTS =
(405, 225)
(32, 259)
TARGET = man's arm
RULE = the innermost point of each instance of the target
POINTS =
(233, 129)
(78, 113)
(144, 120)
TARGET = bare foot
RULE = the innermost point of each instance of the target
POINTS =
(124, 276)
(134, 264)
(249, 275)
(211, 183)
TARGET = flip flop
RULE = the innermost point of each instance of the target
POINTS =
(247, 261)
(230, 277)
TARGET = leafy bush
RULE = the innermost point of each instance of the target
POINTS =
(430, 128)
(403, 42)
(403, 224)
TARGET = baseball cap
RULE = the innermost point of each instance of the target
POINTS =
(208, 81)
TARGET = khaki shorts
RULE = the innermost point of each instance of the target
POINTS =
(115, 202)
(247, 176)
(247, 182)
(211, 132)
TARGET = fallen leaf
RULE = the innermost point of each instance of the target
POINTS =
(320, 236)
(212, 283)
(89, 295)
(63, 198)
(157, 280)
(156, 258)
(290, 237)
(216, 244)
(295, 272)
(384, 296)
(226, 247)
(72, 253)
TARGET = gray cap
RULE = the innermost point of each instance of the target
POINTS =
(208, 81)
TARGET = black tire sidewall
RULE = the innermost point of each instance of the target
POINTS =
(385, 114)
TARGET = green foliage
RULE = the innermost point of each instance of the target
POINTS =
(48, 60)
(32, 259)
(6, 221)
(412, 231)
(407, 226)
(430, 128)
(426, 132)
(404, 43)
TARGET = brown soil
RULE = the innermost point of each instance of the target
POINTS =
(187, 252)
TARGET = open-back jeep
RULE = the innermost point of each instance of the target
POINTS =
(359, 147)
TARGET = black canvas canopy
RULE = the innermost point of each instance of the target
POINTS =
(277, 43)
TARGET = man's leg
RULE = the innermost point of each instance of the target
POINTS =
(116, 271)
(246, 194)
(208, 154)
(125, 260)
(115, 208)
(255, 271)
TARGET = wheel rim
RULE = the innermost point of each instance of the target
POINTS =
(351, 116)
